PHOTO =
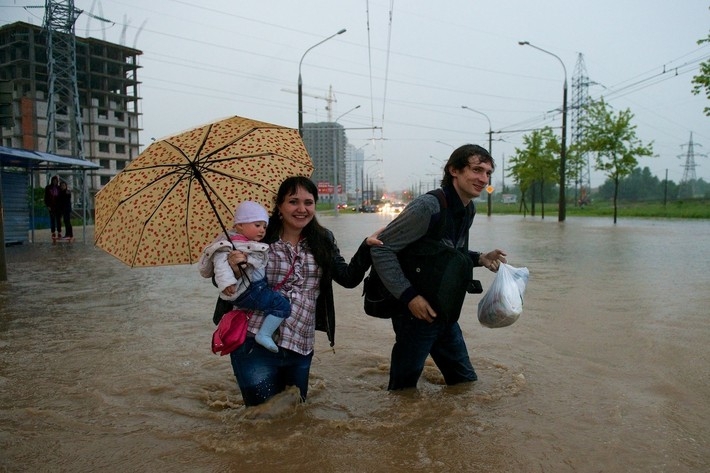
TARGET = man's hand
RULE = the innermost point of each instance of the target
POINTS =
(493, 259)
(420, 308)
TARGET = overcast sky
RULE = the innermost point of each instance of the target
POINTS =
(411, 65)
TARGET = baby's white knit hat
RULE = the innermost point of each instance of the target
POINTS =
(249, 211)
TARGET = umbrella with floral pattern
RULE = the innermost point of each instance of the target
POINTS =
(181, 192)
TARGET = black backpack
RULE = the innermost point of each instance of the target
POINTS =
(440, 273)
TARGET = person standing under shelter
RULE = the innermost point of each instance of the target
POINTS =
(64, 204)
(418, 331)
(51, 201)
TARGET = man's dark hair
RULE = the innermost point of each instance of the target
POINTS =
(459, 160)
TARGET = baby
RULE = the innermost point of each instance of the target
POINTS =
(251, 290)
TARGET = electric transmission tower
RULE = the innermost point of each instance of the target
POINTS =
(687, 184)
(63, 102)
(63, 107)
(580, 98)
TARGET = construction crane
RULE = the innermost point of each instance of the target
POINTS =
(330, 100)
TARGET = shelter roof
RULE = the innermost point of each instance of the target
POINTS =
(16, 157)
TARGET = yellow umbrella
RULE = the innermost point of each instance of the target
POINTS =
(181, 192)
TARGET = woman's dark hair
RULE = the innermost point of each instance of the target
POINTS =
(459, 160)
(318, 239)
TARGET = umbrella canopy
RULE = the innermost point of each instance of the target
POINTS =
(181, 192)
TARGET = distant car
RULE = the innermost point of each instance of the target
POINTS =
(397, 207)
(342, 206)
(370, 209)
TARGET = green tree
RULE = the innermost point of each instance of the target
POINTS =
(575, 163)
(613, 138)
(641, 185)
(702, 80)
(536, 163)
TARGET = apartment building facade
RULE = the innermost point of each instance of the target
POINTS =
(107, 82)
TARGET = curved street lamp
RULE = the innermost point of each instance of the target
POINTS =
(490, 149)
(562, 213)
(300, 81)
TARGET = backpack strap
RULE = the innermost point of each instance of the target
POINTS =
(437, 224)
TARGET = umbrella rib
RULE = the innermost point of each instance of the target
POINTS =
(159, 204)
(231, 158)
(203, 184)
(136, 193)
(224, 146)
(196, 174)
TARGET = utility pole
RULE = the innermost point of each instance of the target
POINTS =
(562, 213)
(490, 151)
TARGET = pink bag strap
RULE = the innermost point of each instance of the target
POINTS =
(288, 274)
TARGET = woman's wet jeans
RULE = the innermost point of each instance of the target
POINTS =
(262, 374)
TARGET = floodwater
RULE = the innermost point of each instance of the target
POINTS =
(107, 368)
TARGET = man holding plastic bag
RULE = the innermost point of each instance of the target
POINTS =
(419, 330)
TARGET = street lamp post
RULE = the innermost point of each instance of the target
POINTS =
(300, 81)
(562, 214)
(359, 172)
(368, 179)
(490, 150)
(335, 159)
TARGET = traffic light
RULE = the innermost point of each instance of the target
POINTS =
(7, 118)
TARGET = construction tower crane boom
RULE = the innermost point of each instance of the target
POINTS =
(330, 99)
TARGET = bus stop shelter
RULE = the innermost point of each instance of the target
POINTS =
(17, 168)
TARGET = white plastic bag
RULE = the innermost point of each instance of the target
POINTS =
(503, 303)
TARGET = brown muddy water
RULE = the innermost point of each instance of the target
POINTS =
(107, 368)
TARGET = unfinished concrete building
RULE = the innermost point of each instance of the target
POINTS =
(107, 81)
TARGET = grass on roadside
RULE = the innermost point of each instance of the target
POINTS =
(689, 208)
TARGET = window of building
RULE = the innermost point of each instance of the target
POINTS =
(120, 164)
(120, 149)
(103, 130)
(119, 132)
(118, 115)
(104, 180)
(105, 163)
(103, 147)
